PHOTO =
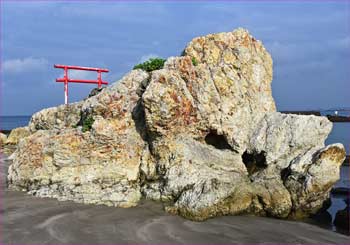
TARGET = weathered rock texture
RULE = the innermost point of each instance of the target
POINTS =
(3, 138)
(97, 166)
(56, 117)
(205, 139)
(16, 135)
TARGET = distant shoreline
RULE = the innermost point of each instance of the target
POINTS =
(331, 118)
(316, 113)
(338, 118)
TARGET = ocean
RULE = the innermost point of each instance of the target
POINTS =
(11, 122)
(340, 134)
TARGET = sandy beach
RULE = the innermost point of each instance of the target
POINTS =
(30, 220)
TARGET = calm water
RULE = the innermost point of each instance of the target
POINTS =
(10, 122)
(340, 133)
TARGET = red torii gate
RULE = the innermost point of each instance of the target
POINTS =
(67, 80)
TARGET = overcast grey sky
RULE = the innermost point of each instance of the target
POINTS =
(309, 43)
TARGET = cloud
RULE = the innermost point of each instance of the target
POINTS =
(147, 57)
(124, 12)
(85, 75)
(24, 65)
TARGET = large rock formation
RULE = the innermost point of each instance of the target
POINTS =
(97, 166)
(201, 135)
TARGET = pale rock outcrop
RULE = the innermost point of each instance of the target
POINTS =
(99, 166)
(63, 116)
(310, 177)
(201, 135)
(282, 137)
(3, 138)
(229, 87)
(17, 134)
(71, 165)
(278, 140)
(199, 179)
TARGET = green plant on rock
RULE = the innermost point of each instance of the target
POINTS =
(194, 61)
(87, 123)
(151, 65)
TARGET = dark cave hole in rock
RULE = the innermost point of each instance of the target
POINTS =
(255, 161)
(218, 141)
(285, 173)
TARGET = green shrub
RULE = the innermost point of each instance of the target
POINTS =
(87, 123)
(194, 61)
(151, 65)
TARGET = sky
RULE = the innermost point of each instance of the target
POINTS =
(309, 42)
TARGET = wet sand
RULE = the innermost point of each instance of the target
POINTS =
(29, 220)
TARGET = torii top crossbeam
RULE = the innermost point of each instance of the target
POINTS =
(67, 80)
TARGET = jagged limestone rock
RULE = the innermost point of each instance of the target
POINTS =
(63, 116)
(72, 165)
(95, 91)
(310, 177)
(202, 135)
(3, 138)
(99, 166)
(230, 86)
(220, 102)
(16, 135)
(277, 143)
(200, 179)
(282, 137)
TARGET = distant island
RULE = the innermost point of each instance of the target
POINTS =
(338, 118)
(332, 118)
